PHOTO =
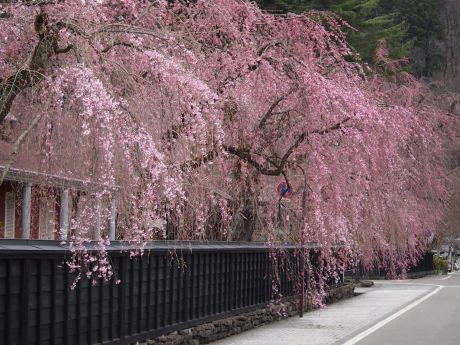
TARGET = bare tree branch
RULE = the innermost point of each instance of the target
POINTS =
(129, 29)
(17, 146)
(32, 71)
(247, 156)
(327, 130)
(63, 50)
(197, 162)
(270, 112)
(115, 44)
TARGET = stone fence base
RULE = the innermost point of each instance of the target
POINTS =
(218, 329)
(421, 274)
(409, 275)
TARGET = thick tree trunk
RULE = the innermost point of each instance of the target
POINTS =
(33, 69)
(244, 224)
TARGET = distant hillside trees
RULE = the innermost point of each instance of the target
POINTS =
(410, 28)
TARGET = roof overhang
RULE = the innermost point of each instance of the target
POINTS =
(43, 179)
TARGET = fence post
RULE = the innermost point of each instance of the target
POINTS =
(121, 295)
(25, 291)
(357, 273)
(302, 276)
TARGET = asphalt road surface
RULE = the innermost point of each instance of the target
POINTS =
(422, 311)
(430, 320)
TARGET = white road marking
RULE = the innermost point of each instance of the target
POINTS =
(446, 278)
(390, 318)
(419, 284)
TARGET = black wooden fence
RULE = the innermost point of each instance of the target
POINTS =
(423, 267)
(158, 293)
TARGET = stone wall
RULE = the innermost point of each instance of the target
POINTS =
(218, 329)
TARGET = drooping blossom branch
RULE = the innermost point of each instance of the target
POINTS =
(193, 111)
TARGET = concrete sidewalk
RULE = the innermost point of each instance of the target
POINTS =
(335, 323)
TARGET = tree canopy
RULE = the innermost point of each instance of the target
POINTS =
(196, 111)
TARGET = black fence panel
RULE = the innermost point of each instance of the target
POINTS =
(423, 266)
(174, 285)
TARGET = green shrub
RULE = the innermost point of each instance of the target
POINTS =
(440, 265)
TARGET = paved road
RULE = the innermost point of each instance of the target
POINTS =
(436, 320)
(417, 312)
